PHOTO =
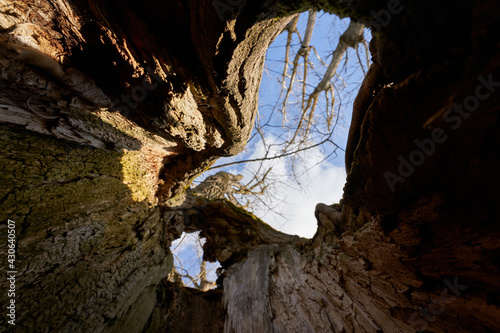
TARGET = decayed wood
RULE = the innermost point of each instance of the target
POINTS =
(230, 231)
(96, 191)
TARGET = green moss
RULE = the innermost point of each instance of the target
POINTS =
(247, 214)
(136, 177)
(47, 183)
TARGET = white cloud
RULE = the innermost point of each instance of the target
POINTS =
(326, 186)
(322, 182)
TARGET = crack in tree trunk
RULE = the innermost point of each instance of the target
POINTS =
(92, 254)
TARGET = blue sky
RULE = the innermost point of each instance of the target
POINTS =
(324, 182)
(293, 204)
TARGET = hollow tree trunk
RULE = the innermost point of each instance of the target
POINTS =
(108, 111)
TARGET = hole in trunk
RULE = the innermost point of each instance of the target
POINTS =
(189, 267)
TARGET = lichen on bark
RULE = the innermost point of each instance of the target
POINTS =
(98, 193)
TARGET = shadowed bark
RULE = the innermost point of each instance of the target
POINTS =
(108, 110)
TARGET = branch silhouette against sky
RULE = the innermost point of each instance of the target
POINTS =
(313, 71)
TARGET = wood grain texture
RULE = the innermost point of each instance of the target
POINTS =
(98, 192)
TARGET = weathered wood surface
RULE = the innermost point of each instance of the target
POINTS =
(96, 190)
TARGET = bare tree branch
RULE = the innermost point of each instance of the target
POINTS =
(280, 155)
(350, 38)
(303, 52)
(291, 27)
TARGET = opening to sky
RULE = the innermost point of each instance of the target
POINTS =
(188, 261)
(289, 202)
(290, 207)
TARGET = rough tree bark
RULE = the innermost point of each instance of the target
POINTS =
(109, 109)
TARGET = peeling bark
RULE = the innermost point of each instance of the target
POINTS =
(97, 191)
